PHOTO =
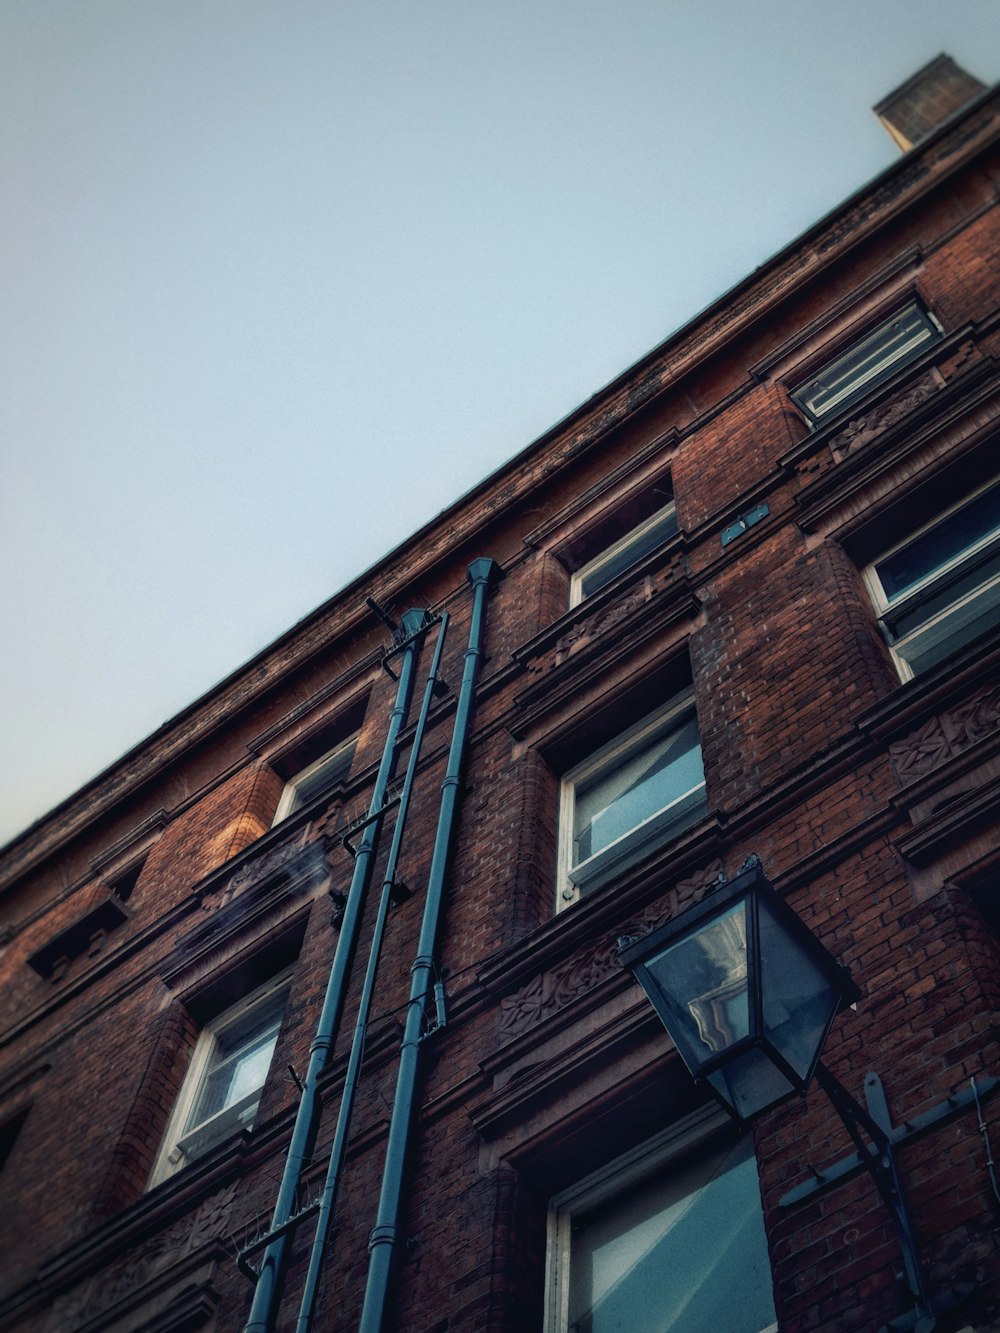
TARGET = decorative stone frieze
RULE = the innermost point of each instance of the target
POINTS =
(946, 735)
(551, 991)
(586, 630)
(295, 857)
(114, 1285)
(861, 430)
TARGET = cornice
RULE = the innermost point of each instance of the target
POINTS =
(632, 467)
(108, 962)
(939, 157)
(149, 1216)
(265, 740)
(269, 889)
(603, 912)
(921, 413)
(972, 668)
(596, 1045)
(629, 625)
(907, 262)
(132, 845)
(930, 839)
(615, 594)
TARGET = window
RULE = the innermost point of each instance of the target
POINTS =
(866, 362)
(223, 1086)
(320, 776)
(940, 588)
(598, 572)
(669, 1239)
(642, 787)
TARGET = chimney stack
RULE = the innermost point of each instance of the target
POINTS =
(926, 100)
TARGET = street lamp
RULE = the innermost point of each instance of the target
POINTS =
(745, 990)
(748, 994)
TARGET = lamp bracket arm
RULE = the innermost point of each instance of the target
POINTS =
(854, 1114)
(883, 1168)
(910, 1129)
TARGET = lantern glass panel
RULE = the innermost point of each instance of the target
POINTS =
(749, 1082)
(799, 1000)
(701, 982)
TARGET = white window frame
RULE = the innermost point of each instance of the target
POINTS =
(171, 1156)
(606, 1184)
(682, 810)
(926, 331)
(632, 538)
(936, 627)
(289, 801)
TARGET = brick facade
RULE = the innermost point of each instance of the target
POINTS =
(141, 912)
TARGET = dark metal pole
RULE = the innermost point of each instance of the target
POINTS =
(266, 1291)
(483, 574)
(328, 1199)
(880, 1159)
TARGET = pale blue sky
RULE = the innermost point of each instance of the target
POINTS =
(281, 278)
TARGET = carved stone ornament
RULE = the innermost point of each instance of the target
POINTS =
(108, 1288)
(945, 735)
(585, 631)
(549, 992)
(278, 858)
(862, 429)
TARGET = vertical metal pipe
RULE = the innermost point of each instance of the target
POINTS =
(267, 1288)
(307, 1306)
(483, 574)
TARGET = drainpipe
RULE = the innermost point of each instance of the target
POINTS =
(264, 1308)
(483, 575)
(328, 1199)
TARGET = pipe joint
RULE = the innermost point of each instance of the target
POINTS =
(383, 1235)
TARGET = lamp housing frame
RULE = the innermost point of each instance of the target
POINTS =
(752, 885)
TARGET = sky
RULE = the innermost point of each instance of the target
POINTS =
(280, 279)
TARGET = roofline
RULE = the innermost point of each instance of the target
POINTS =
(537, 446)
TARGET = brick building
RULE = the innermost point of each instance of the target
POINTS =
(742, 602)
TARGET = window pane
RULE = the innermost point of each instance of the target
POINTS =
(233, 1079)
(891, 344)
(942, 588)
(681, 1252)
(705, 984)
(321, 776)
(750, 1082)
(943, 543)
(964, 582)
(640, 786)
(946, 633)
(646, 538)
(799, 999)
(239, 1062)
